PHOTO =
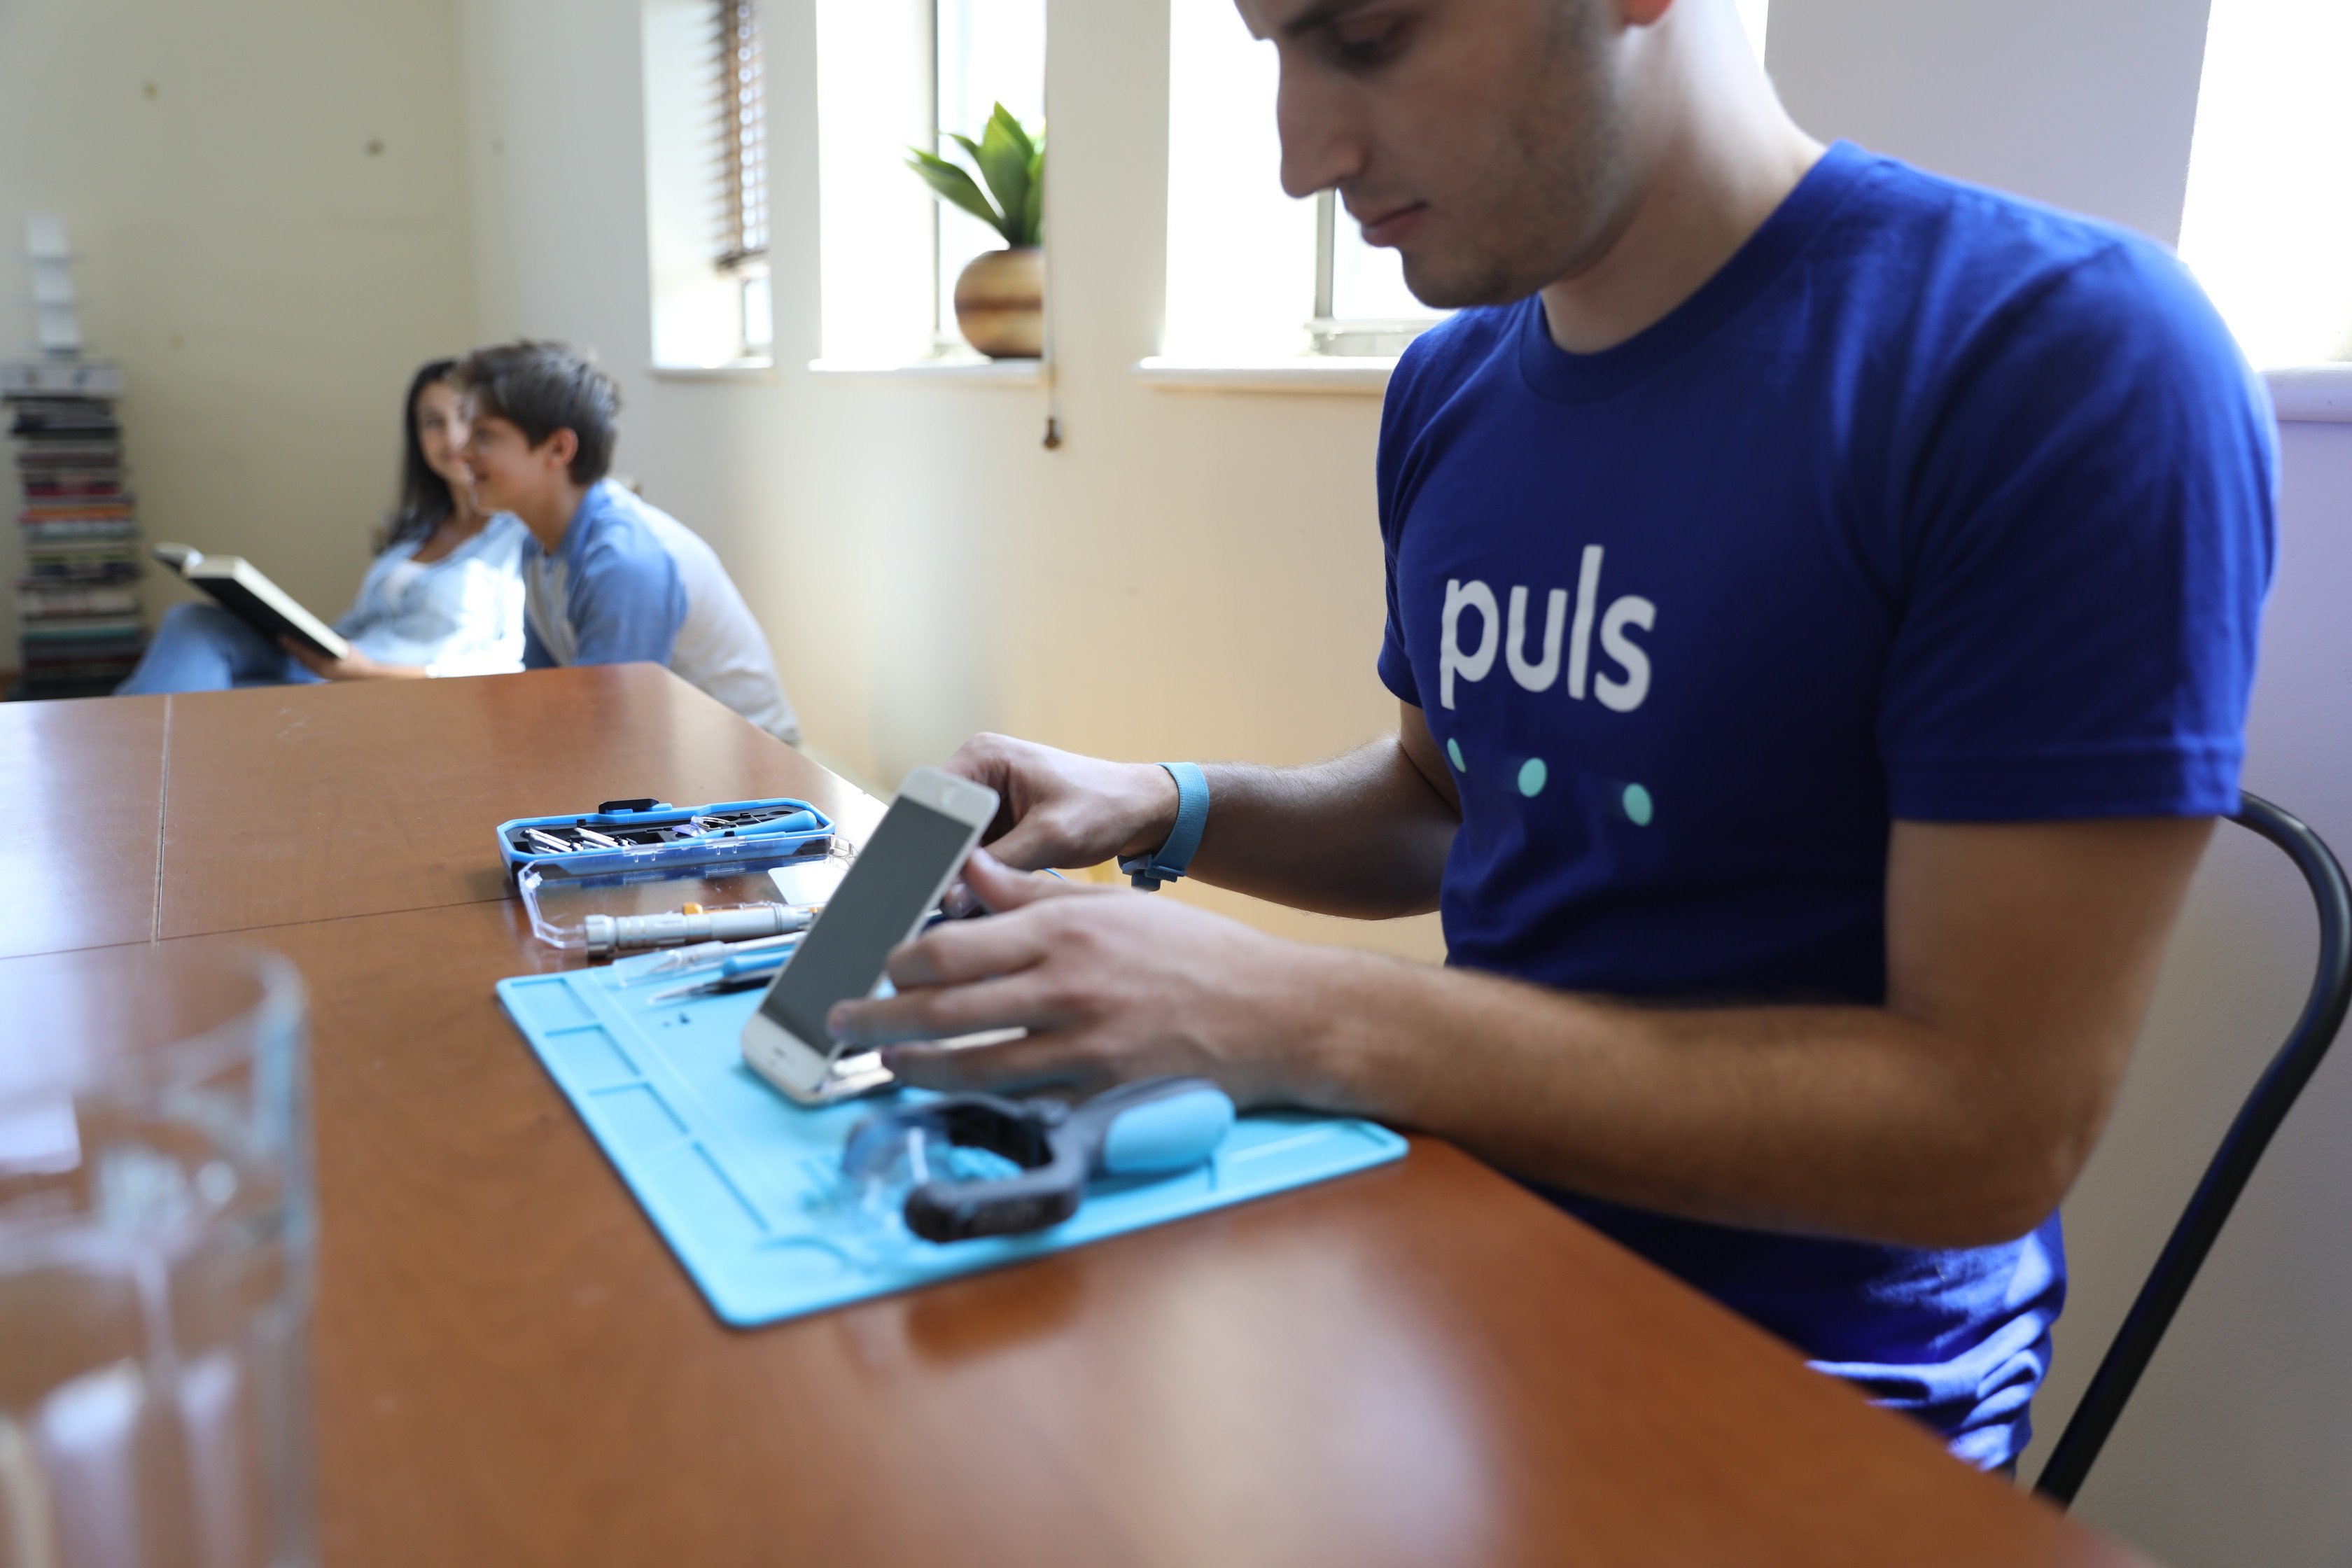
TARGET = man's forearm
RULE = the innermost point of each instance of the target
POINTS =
(1852, 1122)
(2020, 962)
(1363, 835)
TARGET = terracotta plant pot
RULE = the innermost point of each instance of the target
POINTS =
(1000, 303)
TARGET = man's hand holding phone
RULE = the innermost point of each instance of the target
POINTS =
(1064, 810)
(891, 889)
(1110, 984)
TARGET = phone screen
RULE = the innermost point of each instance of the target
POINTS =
(890, 887)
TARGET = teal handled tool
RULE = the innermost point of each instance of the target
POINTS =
(1154, 1127)
(736, 971)
(700, 958)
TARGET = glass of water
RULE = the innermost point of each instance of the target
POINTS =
(156, 1231)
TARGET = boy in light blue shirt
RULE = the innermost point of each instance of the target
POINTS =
(608, 579)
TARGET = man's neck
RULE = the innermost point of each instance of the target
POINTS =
(1717, 154)
(549, 517)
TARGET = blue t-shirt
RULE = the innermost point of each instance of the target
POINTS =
(1932, 504)
(630, 582)
(610, 594)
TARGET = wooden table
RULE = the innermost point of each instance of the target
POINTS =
(1420, 1365)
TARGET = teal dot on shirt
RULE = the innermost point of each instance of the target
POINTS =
(1532, 774)
(1639, 808)
(1454, 750)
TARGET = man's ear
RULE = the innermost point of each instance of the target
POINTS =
(562, 446)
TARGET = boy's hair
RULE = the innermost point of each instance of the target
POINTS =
(541, 388)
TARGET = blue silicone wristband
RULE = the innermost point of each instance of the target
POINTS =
(1172, 858)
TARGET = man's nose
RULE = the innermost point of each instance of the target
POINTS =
(1321, 145)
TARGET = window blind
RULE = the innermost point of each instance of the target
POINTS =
(741, 135)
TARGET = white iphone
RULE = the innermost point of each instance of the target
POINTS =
(892, 887)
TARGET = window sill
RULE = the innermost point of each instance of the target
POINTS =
(741, 370)
(2312, 393)
(972, 372)
(1367, 375)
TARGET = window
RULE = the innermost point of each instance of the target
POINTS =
(1240, 254)
(1253, 275)
(1361, 303)
(707, 183)
(1753, 16)
(742, 132)
(894, 75)
(983, 53)
(2268, 223)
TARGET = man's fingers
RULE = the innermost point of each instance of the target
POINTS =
(1029, 844)
(1009, 1002)
(1001, 887)
(1041, 1062)
(954, 951)
(982, 759)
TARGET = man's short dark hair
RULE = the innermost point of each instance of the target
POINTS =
(541, 388)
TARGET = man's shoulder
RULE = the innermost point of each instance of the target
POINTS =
(1977, 267)
(1925, 211)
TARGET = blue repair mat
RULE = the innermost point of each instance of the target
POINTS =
(746, 1186)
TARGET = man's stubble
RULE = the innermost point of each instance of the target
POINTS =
(1548, 189)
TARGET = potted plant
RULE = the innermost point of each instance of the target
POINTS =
(1000, 298)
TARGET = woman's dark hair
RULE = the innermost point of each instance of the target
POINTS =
(424, 498)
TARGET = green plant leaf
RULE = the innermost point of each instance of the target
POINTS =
(1005, 164)
(1033, 211)
(954, 184)
(1013, 132)
(971, 147)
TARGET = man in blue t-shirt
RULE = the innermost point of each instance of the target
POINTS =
(1823, 600)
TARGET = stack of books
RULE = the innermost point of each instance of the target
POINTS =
(82, 625)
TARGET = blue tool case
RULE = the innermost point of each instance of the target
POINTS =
(638, 857)
(619, 836)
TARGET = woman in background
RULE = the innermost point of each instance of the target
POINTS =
(443, 596)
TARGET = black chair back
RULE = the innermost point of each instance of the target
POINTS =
(2242, 1150)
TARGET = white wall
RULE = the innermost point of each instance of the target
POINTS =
(2086, 103)
(2238, 1447)
(1188, 575)
(267, 282)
